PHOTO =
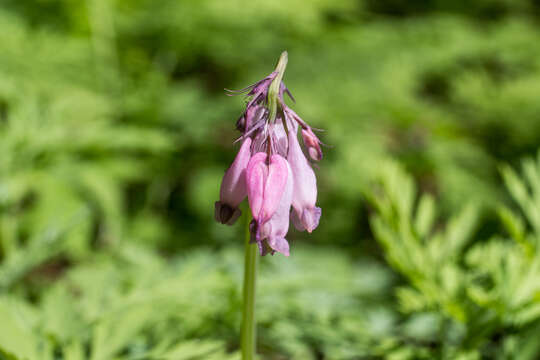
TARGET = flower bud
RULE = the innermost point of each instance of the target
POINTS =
(312, 143)
(241, 123)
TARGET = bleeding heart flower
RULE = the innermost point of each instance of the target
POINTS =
(233, 187)
(305, 214)
(271, 168)
(270, 235)
(265, 184)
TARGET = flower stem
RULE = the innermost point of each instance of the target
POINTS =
(249, 330)
(273, 89)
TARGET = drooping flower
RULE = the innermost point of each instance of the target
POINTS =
(305, 214)
(233, 187)
(265, 184)
(270, 235)
(271, 168)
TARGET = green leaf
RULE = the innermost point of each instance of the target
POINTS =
(425, 215)
(17, 338)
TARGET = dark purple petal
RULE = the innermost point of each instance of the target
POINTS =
(225, 214)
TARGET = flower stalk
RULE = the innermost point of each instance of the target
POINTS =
(277, 178)
(249, 329)
(273, 89)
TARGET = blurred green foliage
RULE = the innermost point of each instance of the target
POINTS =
(466, 300)
(114, 133)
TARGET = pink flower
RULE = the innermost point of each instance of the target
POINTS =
(270, 235)
(265, 184)
(271, 168)
(233, 187)
(305, 214)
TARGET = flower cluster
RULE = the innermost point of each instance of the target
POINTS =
(271, 168)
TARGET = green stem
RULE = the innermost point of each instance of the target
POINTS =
(249, 330)
(273, 89)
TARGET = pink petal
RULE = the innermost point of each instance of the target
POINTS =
(256, 175)
(279, 244)
(233, 187)
(265, 185)
(306, 215)
(308, 220)
(276, 228)
(274, 187)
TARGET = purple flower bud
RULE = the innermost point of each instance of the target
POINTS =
(265, 184)
(250, 117)
(312, 144)
(258, 91)
(305, 214)
(233, 187)
(241, 123)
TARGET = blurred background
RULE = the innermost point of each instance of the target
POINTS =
(115, 132)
